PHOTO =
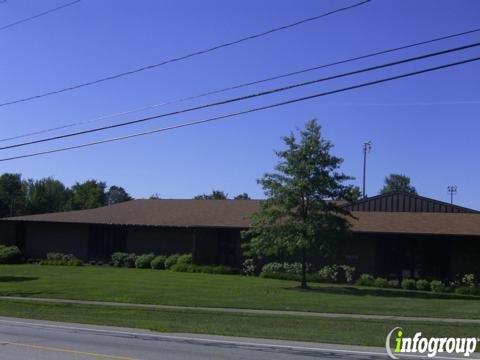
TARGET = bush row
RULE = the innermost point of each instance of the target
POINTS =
(466, 286)
(293, 271)
(61, 259)
(175, 262)
(146, 261)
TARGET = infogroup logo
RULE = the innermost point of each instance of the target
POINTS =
(431, 346)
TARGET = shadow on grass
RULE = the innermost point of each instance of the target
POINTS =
(356, 291)
(17, 278)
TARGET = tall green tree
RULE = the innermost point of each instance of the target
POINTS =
(397, 183)
(46, 195)
(117, 194)
(353, 194)
(88, 195)
(11, 195)
(297, 216)
(215, 195)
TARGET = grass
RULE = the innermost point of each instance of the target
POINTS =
(170, 288)
(340, 331)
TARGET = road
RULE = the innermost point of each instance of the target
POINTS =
(39, 340)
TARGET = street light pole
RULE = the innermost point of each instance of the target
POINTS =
(367, 146)
(452, 190)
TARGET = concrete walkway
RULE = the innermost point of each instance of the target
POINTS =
(243, 311)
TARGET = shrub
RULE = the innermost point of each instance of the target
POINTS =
(55, 256)
(423, 285)
(381, 282)
(122, 259)
(468, 280)
(143, 261)
(185, 259)
(329, 273)
(409, 284)
(366, 280)
(158, 262)
(468, 290)
(171, 260)
(273, 267)
(9, 254)
(206, 269)
(336, 274)
(74, 262)
(393, 283)
(438, 287)
(348, 273)
(249, 268)
(289, 268)
(61, 259)
(182, 268)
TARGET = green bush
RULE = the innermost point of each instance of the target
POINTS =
(423, 285)
(61, 259)
(9, 254)
(348, 273)
(206, 269)
(409, 284)
(288, 268)
(366, 280)
(468, 280)
(273, 267)
(468, 290)
(171, 260)
(158, 262)
(55, 256)
(381, 283)
(122, 259)
(74, 262)
(329, 274)
(438, 287)
(393, 283)
(185, 259)
(337, 274)
(143, 261)
(249, 267)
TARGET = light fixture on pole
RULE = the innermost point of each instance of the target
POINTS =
(367, 147)
(452, 190)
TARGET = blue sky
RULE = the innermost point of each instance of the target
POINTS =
(426, 127)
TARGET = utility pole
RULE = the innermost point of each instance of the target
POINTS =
(452, 190)
(367, 146)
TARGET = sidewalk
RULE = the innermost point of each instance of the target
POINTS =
(243, 311)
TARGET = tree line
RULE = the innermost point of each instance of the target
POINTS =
(28, 196)
(20, 196)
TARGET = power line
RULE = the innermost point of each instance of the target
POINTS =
(283, 103)
(127, 112)
(18, 22)
(245, 97)
(183, 57)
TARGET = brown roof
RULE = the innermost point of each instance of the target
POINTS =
(155, 212)
(417, 223)
(235, 213)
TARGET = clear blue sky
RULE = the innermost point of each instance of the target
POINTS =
(426, 127)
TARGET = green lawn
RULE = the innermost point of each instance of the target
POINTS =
(165, 287)
(341, 331)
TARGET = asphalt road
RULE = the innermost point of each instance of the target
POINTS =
(39, 340)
